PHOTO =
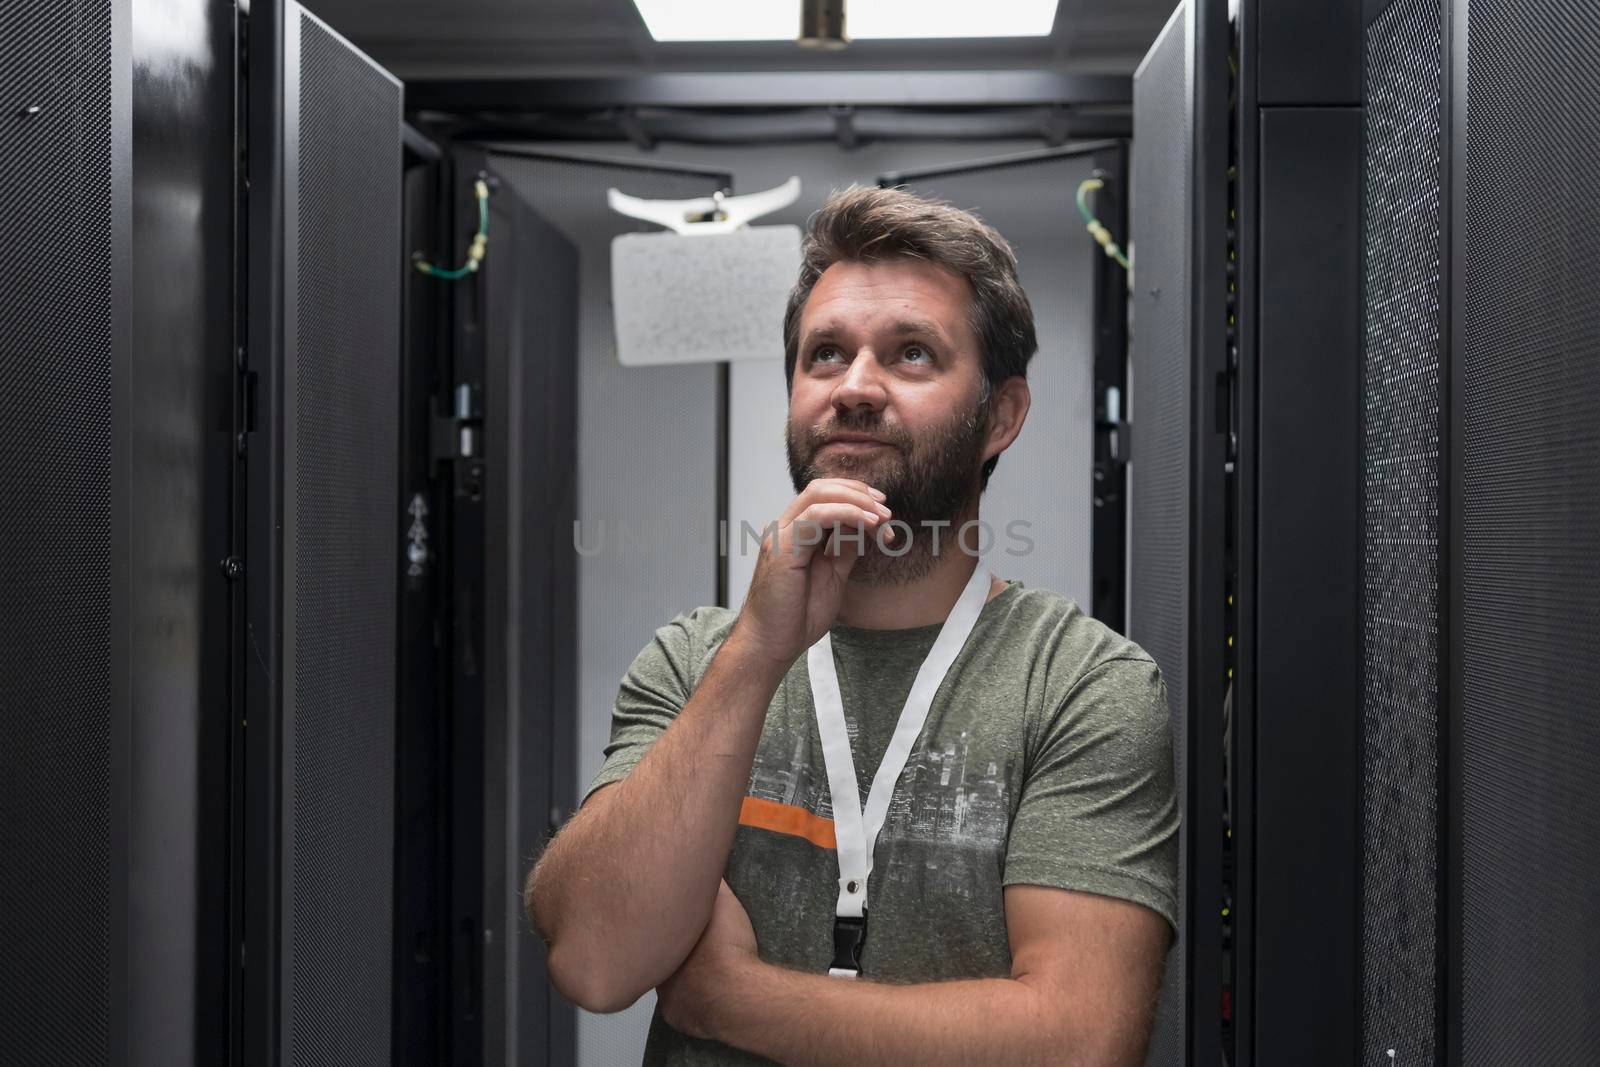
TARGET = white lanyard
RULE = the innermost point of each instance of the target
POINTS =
(855, 830)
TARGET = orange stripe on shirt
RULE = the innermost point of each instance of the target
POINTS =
(787, 819)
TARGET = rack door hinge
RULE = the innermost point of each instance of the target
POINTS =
(457, 439)
(459, 435)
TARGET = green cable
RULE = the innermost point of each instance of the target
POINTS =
(1096, 230)
(475, 252)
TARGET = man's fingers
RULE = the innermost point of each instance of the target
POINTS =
(799, 540)
(824, 490)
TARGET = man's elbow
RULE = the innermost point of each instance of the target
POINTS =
(588, 984)
(578, 971)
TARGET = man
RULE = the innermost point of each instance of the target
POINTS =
(894, 810)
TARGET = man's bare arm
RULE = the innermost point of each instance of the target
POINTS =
(1085, 974)
(623, 892)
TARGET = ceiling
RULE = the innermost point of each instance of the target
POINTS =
(439, 39)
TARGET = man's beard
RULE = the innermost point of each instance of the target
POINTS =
(934, 479)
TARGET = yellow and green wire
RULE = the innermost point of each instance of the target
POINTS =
(475, 251)
(1101, 235)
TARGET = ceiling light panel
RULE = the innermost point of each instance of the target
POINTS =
(779, 20)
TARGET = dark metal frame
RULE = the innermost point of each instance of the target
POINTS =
(521, 152)
(1255, 1034)
(261, 652)
(422, 918)
(767, 89)
(1109, 520)
(467, 526)
(1210, 45)
(174, 430)
(1016, 159)
(1246, 474)
(614, 108)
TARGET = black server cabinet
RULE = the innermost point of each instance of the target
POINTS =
(1411, 504)
(1179, 581)
(1447, 915)
(116, 334)
(1480, 465)
(320, 560)
(1246, 562)
(509, 435)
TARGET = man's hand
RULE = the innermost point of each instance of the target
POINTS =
(800, 575)
(724, 951)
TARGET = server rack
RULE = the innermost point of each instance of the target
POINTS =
(1245, 405)
(1410, 754)
(116, 320)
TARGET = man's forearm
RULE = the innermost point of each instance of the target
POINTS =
(798, 1018)
(624, 891)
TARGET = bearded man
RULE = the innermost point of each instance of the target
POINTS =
(895, 809)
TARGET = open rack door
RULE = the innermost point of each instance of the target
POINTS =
(509, 501)
(1178, 581)
(1065, 475)
(533, 383)
(315, 885)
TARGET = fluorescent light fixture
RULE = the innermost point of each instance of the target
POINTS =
(868, 19)
(779, 20)
(721, 20)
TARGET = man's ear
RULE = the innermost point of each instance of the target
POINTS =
(1008, 407)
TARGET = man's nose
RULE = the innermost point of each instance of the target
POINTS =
(862, 384)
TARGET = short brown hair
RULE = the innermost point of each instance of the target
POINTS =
(866, 224)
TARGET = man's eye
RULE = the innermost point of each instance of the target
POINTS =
(822, 354)
(918, 354)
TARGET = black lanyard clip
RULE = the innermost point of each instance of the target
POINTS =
(849, 935)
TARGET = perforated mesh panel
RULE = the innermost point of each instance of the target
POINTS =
(1400, 575)
(345, 402)
(1531, 595)
(1161, 203)
(55, 526)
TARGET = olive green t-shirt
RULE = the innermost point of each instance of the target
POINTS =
(1046, 760)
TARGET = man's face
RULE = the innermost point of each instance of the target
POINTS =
(887, 350)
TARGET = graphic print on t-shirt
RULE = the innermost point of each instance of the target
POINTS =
(951, 801)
